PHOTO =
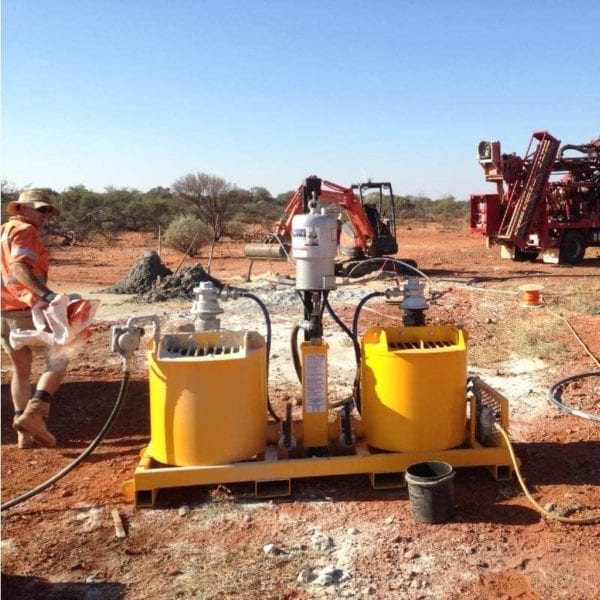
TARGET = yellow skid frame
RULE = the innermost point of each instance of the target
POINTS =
(273, 471)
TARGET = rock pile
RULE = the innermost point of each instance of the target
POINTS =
(152, 281)
(179, 285)
(148, 270)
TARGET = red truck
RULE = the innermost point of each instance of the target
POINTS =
(546, 202)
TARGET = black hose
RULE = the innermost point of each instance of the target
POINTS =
(307, 308)
(295, 356)
(265, 312)
(346, 330)
(359, 306)
(356, 384)
(553, 396)
(113, 415)
(339, 322)
(356, 347)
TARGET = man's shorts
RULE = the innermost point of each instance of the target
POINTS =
(21, 319)
(14, 319)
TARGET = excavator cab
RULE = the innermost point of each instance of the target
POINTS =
(377, 200)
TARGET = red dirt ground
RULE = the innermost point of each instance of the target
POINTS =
(62, 543)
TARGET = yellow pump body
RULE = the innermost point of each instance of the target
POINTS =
(208, 394)
(413, 388)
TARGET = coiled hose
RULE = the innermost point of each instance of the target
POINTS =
(109, 422)
(553, 396)
(539, 507)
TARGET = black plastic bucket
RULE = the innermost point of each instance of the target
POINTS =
(431, 491)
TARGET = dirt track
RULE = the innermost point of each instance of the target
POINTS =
(62, 544)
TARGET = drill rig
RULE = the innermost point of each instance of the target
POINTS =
(551, 202)
(366, 228)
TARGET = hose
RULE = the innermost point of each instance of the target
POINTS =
(356, 384)
(356, 348)
(338, 321)
(538, 507)
(346, 330)
(295, 356)
(265, 312)
(385, 259)
(113, 415)
(359, 306)
(553, 396)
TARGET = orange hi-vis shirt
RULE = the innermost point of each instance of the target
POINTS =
(20, 242)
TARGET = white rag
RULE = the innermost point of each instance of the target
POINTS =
(63, 322)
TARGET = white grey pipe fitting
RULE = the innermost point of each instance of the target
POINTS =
(414, 295)
(206, 307)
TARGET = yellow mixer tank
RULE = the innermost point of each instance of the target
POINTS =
(413, 386)
(208, 394)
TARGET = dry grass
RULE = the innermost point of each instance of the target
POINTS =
(577, 300)
(535, 339)
(531, 338)
(534, 335)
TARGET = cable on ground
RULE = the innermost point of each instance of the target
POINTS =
(113, 415)
(551, 515)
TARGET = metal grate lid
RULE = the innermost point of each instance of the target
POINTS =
(420, 345)
(174, 347)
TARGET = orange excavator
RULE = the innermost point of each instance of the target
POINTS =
(367, 221)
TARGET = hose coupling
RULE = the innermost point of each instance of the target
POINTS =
(393, 294)
(230, 293)
(125, 340)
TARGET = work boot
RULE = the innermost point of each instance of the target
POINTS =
(24, 440)
(33, 422)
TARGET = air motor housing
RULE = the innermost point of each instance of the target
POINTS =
(314, 248)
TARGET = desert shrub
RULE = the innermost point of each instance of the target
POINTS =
(259, 213)
(247, 232)
(186, 234)
(148, 213)
(447, 210)
(236, 230)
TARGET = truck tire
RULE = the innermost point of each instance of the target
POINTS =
(572, 248)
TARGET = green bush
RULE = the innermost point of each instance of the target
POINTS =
(186, 234)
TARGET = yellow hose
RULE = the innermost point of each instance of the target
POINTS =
(531, 499)
(577, 336)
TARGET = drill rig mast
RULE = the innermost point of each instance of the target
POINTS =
(547, 202)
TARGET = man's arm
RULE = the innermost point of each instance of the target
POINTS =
(24, 273)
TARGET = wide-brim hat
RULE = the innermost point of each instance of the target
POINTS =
(31, 199)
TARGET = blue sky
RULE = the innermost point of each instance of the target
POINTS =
(137, 93)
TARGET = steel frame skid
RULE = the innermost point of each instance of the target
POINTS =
(273, 470)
